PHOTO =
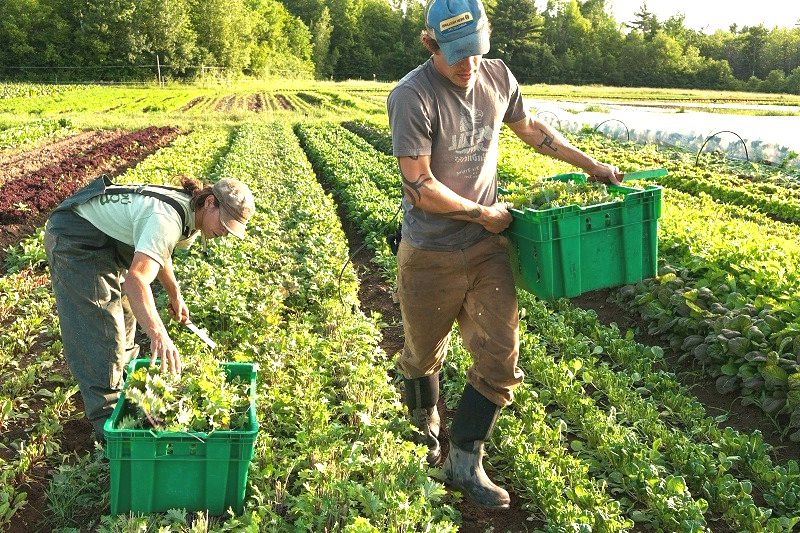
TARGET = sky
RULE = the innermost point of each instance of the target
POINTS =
(711, 15)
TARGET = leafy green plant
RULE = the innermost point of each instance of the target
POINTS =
(201, 399)
(550, 194)
(78, 492)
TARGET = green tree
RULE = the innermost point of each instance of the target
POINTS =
(281, 42)
(226, 31)
(321, 31)
(645, 21)
(104, 31)
(346, 43)
(163, 28)
(309, 11)
(379, 30)
(754, 41)
(409, 51)
(32, 33)
(793, 81)
(516, 29)
(782, 49)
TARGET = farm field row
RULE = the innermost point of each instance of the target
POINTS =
(602, 434)
(158, 103)
(292, 306)
(32, 367)
(727, 299)
(563, 386)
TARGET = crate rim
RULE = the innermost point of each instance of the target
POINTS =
(630, 194)
(252, 421)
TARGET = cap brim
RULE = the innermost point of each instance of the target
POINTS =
(474, 44)
(234, 227)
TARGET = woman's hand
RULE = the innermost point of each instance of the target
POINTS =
(141, 273)
(163, 349)
(178, 309)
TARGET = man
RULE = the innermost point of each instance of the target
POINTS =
(453, 265)
(105, 245)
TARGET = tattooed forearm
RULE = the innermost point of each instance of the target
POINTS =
(547, 141)
(412, 188)
(472, 213)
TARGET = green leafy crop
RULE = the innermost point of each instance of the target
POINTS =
(552, 194)
(200, 399)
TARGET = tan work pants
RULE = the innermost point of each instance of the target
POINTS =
(475, 287)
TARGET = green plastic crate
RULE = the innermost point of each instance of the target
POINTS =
(566, 251)
(153, 471)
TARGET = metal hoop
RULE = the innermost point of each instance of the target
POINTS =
(697, 159)
(628, 133)
(550, 112)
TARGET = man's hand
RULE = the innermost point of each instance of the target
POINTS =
(162, 348)
(604, 173)
(496, 218)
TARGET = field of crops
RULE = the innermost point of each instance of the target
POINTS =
(669, 405)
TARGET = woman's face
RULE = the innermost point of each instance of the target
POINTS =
(210, 224)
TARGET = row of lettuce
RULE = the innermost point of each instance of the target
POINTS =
(28, 133)
(726, 299)
(598, 435)
(333, 452)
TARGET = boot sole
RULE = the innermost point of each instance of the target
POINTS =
(448, 481)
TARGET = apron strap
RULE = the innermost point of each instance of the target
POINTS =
(175, 204)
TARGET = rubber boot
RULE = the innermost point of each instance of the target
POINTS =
(472, 424)
(421, 395)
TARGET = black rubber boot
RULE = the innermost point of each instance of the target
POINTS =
(473, 423)
(421, 395)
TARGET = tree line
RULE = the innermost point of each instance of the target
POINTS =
(570, 41)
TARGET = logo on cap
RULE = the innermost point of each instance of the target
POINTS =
(458, 20)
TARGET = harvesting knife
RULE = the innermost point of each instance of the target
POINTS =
(201, 333)
(645, 174)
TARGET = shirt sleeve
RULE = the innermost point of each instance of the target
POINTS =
(410, 122)
(156, 236)
(516, 107)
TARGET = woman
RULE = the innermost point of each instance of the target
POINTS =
(106, 244)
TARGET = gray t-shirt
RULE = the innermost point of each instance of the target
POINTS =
(460, 130)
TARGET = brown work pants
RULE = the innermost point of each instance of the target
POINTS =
(475, 287)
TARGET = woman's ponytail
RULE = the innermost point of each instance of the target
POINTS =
(197, 189)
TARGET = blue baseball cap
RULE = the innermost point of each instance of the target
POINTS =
(460, 27)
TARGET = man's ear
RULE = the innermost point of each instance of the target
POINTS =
(210, 201)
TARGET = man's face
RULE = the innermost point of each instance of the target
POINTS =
(464, 73)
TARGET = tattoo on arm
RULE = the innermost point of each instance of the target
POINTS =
(547, 141)
(472, 213)
(412, 188)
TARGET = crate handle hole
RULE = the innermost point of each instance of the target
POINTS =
(169, 449)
